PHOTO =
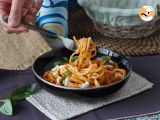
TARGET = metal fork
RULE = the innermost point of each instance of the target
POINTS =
(68, 43)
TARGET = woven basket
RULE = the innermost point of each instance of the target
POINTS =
(80, 25)
(133, 32)
(120, 20)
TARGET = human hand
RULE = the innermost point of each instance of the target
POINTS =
(18, 10)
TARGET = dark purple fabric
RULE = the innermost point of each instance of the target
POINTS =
(9, 80)
(147, 102)
(139, 104)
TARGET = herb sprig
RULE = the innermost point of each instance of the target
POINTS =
(16, 96)
(65, 60)
(74, 58)
(68, 73)
(106, 58)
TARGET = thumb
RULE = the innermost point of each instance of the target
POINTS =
(15, 13)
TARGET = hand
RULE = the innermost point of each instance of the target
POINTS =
(18, 10)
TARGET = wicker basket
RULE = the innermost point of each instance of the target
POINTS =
(133, 32)
(123, 21)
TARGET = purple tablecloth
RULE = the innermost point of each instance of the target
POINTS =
(146, 102)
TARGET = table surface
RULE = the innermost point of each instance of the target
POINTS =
(147, 102)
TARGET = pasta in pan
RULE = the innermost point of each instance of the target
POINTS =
(83, 69)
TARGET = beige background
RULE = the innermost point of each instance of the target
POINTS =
(20, 51)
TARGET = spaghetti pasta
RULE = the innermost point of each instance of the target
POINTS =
(83, 70)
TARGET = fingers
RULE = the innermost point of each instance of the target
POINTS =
(24, 12)
(4, 11)
(29, 18)
(37, 7)
(33, 11)
(15, 13)
(27, 6)
(20, 8)
(19, 29)
(10, 29)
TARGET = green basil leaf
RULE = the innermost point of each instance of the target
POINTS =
(23, 92)
(74, 58)
(58, 63)
(65, 59)
(67, 73)
(7, 108)
(63, 78)
(106, 58)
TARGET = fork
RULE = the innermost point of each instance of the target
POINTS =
(68, 43)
